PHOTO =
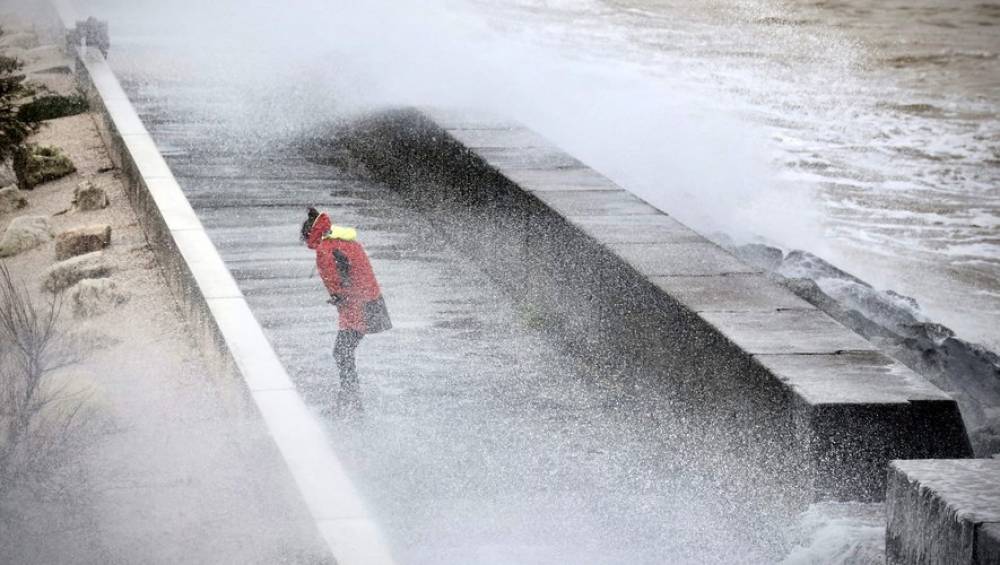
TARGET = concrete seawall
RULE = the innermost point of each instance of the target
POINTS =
(815, 409)
(216, 308)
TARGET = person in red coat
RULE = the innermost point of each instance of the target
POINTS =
(347, 273)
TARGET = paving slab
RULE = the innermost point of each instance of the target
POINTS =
(943, 511)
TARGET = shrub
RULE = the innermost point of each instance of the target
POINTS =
(13, 131)
(35, 165)
(51, 107)
(41, 422)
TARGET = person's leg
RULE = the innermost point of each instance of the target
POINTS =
(343, 353)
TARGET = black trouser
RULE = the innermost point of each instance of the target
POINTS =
(343, 354)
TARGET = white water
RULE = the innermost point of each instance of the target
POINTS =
(865, 134)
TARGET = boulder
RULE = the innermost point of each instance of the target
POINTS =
(11, 199)
(88, 196)
(40, 164)
(93, 297)
(24, 233)
(802, 264)
(71, 243)
(760, 256)
(65, 274)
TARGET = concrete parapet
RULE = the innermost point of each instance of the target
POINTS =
(943, 512)
(814, 406)
(215, 307)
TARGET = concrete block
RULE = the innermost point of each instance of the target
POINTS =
(516, 138)
(943, 511)
(146, 156)
(319, 473)
(561, 180)
(518, 158)
(466, 118)
(665, 259)
(595, 203)
(174, 207)
(102, 79)
(79, 241)
(125, 119)
(862, 377)
(248, 345)
(730, 293)
(205, 264)
(988, 543)
(791, 331)
(637, 228)
(355, 541)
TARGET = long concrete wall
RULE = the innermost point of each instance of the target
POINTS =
(813, 408)
(217, 310)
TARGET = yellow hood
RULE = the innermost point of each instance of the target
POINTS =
(342, 233)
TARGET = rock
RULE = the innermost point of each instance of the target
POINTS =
(11, 199)
(37, 165)
(802, 264)
(88, 197)
(24, 233)
(65, 274)
(7, 176)
(92, 297)
(760, 256)
(71, 243)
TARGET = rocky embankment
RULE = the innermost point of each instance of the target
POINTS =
(894, 323)
(139, 450)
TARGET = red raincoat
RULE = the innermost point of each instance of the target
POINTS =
(344, 267)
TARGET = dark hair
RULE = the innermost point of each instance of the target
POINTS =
(308, 224)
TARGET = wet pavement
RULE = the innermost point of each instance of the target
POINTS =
(482, 441)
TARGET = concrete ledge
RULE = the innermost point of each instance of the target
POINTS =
(943, 512)
(216, 308)
(800, 395)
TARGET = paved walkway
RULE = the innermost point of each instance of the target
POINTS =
(482, 442)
